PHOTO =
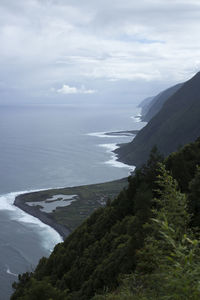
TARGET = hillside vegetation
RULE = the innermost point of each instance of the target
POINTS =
(176, 124)
(88, 198)
(142, 245)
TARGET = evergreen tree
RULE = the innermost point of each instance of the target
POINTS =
(194, 199)
(169, 263)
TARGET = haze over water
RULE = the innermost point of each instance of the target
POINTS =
(48, 146)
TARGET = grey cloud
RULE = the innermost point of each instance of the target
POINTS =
(47, 42)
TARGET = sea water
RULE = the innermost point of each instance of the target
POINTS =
(49, 146)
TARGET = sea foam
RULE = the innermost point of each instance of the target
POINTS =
(113, 161)
(11, 273)
(102, 134)
(49, 236)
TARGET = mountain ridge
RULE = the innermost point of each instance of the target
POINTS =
(157, 102)
(176, 124)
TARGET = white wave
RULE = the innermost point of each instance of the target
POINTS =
(109, 147)
(49, 236)
(11, 273)
(110, 134)
(137, 119)
(113, 161)
(6, 201)
(102, 134)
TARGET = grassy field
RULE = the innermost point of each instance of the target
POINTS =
(89, 197)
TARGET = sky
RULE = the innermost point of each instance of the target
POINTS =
(81, 49)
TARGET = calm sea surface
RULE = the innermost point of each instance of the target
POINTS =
(48, 146)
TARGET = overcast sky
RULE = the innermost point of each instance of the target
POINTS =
(92, 48)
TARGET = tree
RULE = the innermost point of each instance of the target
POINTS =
(169, 263)
(194, 199)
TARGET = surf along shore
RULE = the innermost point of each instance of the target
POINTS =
(83, 201)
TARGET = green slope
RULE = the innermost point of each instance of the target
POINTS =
(88, 198)
(177, 123)
(106, 245)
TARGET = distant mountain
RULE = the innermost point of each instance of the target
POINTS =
(177, 123)
(145, 105)
(152, 107)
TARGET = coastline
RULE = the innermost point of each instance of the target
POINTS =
(67, 218)
(122, 133)
(46, 218)
(97, 192)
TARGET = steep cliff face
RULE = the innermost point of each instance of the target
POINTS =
(150, 109)
(145, 105)
(177, 123)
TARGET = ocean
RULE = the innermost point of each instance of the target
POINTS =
(48, 146)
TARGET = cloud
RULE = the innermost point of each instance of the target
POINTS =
(45, 43)
(66, 89)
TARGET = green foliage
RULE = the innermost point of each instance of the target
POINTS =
(175, 277)
(194, 198)
(182, 164)
(171, 203)
(88, 199)
(169, 263)
(144, 232)
(103, 247)
(41, 290)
